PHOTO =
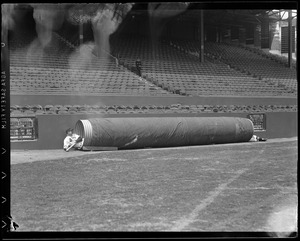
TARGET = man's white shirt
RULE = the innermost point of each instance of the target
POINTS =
(70, 140)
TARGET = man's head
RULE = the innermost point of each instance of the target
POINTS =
(69, 132)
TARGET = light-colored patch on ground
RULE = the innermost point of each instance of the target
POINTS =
(243, 212)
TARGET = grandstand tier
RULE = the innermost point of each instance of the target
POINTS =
(61, 69)
(168, 68)
(173, 65)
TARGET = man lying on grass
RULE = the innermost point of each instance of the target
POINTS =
(73, 140)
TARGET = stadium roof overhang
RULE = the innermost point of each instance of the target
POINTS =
(231, 14)
(216, 12)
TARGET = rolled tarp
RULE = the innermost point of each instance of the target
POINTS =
(130, 133)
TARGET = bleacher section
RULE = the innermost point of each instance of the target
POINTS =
(32, 110)
(254, 62)
(168, 66)
(250, 61)
(49, 71)
(277, 58)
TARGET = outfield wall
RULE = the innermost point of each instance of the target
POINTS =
(51, 128)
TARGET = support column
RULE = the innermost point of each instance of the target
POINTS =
(257, 36)
(226, 34)
(80, 31)
(250, 34)
(290, 39)
(201, 56)
(242, 35)
(265, 33)
(217, 35)
(220, 39)
(296, 40)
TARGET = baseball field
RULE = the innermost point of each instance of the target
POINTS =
(230, 187)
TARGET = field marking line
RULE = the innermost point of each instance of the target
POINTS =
(186, 221)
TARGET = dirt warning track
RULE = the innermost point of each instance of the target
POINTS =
(23, 156)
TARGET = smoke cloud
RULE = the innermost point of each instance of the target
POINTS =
(47, 18)
(103, 27)
(105, 19)
(81, 59)
(106, 22)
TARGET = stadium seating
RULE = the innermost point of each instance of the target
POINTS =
(169, 67)
(174, 67)
(256, 63)
(251, 61)
(279, 59)
(51, 71)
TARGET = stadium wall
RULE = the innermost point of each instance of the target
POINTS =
(51, 128)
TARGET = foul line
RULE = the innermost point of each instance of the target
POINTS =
(184, 222)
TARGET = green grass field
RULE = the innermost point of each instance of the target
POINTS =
(233, 187)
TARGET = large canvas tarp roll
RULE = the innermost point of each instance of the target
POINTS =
(128, 133)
